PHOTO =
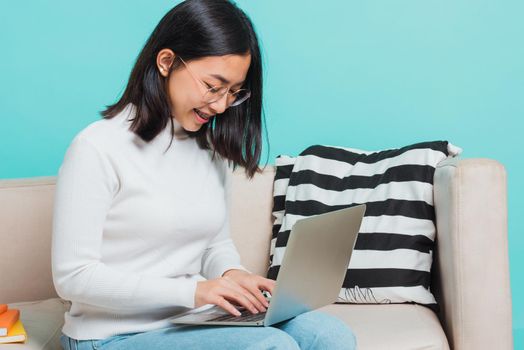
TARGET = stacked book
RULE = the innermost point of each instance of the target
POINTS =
(11, 327)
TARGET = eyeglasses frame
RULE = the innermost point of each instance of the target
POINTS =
(209, 89)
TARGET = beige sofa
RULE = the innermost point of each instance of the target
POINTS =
(471, 279)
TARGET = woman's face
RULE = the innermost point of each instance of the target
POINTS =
(186, 85)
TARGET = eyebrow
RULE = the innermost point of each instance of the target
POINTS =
(224, 80)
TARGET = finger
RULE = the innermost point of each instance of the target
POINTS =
(240, 295)
(252, 293)
(252, 304)
(257, 299)
(226, 305)
(257, 292)
(267, 284)
(254, 288)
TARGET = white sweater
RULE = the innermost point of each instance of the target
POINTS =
(135, 228)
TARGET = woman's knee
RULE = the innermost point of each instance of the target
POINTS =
(340, 337)
(274, 339)
(334, 333)
(318, 330)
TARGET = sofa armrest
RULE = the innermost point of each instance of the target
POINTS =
(471, 280)
(26, 222)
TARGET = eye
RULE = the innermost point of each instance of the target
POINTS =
(211, 88)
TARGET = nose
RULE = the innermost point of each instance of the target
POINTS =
(220, 105)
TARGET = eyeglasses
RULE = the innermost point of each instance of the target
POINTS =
(213, 94)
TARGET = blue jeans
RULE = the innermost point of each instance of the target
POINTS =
(311, 330)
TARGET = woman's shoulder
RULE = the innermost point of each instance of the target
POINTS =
(107, 131)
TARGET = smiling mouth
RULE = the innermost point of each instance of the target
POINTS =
(201, 114)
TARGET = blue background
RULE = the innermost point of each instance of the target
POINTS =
(363, 74)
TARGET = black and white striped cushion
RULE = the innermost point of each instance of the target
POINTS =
(392, 259)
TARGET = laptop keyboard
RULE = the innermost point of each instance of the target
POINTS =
(245, 315)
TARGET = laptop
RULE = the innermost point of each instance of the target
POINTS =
(311, 274)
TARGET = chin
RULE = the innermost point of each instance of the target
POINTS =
(192, 128)
(189, 125)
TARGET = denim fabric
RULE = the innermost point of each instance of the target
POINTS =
(311, 330)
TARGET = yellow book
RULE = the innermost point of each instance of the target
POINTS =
(15, 335)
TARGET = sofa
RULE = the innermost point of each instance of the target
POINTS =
(470, 274)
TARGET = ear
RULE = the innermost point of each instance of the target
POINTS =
(164, 61)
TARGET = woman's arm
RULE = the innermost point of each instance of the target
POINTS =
(84, 192)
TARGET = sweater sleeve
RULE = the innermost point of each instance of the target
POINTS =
(85, 188)
(221, 254)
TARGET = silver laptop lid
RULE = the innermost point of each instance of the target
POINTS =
(315, 263)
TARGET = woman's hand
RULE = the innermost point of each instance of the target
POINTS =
(235, 287)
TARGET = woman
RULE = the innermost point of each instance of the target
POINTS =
(140, 229)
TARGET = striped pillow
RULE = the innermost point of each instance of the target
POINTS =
(392, 259)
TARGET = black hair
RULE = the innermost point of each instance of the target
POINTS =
(194, 29)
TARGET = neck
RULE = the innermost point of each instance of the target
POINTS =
(179, 131)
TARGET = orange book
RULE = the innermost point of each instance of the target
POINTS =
(3, 308)
(7, 320)
(16, 334)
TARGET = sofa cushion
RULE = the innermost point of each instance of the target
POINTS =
(392, 326)
(43, 321)
(392, 259)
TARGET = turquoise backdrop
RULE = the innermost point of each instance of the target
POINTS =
(364, 74)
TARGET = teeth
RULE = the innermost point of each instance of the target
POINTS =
(201, 114)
